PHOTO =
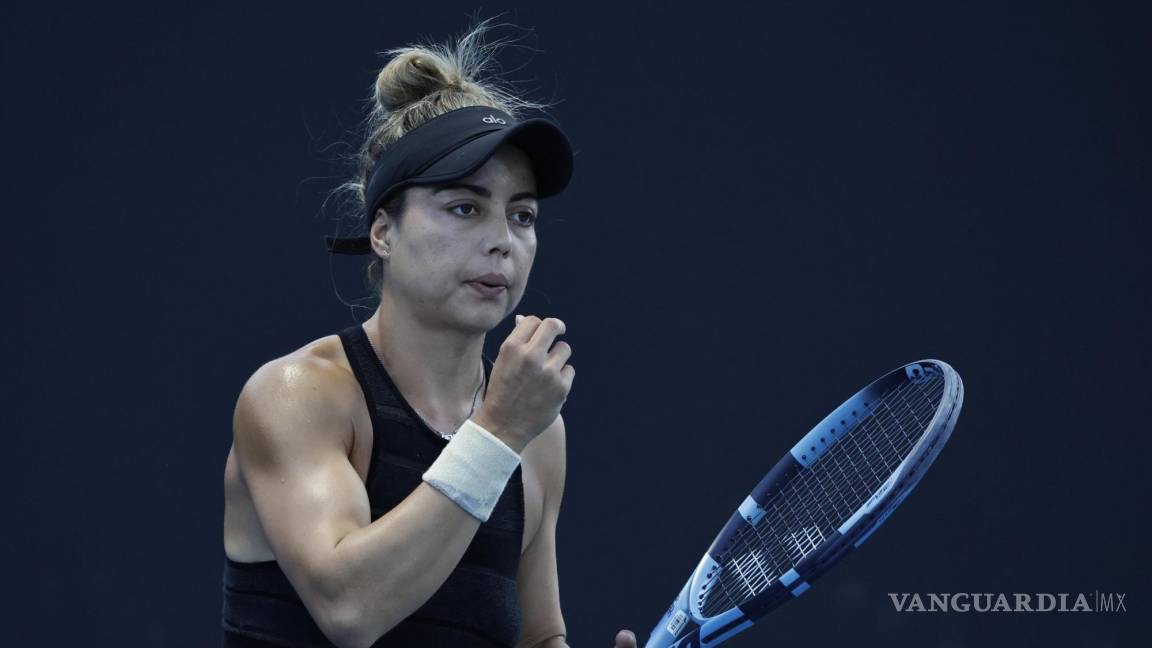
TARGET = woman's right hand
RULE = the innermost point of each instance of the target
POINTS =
(529, 382)
(625, 639)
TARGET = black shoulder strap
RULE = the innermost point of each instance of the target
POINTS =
(363, 360)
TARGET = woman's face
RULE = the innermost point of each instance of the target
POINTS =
(449, 235)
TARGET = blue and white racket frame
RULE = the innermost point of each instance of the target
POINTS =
(683, 625)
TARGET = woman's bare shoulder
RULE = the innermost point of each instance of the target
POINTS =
(320, 360)
(313, 381)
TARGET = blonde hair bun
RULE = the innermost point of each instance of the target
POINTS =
(414, 74)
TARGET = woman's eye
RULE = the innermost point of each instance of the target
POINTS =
(525, 218)
(469, 207)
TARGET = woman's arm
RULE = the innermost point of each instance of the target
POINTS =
(537, 579)
(357, 578)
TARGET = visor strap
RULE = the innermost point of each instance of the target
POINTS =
(351, 245)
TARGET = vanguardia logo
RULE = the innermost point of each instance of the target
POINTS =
(1015, 602)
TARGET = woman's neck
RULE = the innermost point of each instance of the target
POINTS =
(437, 370)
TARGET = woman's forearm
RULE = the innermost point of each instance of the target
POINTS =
(394, 565)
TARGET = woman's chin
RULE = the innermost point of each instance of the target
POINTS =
(481, 320)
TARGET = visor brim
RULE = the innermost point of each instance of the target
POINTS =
(546, 146)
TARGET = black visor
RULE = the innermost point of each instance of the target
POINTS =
(455, 145)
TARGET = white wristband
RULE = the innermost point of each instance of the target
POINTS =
(473, 469)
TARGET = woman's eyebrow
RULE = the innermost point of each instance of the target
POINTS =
(476, 189)
(481, 191)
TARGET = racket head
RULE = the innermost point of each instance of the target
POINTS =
(820, 501)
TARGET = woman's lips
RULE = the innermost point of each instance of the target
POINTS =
(485, 289)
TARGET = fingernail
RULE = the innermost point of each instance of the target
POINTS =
(518, 318)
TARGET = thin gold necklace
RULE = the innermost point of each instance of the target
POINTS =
(448, 436)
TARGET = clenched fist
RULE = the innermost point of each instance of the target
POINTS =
(529, 382)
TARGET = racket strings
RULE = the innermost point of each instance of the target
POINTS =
(819, 499)
(843, 485)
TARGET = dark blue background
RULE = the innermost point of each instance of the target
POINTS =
(774, 204)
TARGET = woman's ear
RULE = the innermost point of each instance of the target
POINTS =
(380, 234)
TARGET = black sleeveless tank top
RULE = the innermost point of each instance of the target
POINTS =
(476, 607)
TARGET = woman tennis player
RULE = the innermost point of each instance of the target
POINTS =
(384, 488)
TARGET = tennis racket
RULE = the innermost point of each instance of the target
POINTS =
(820, 501)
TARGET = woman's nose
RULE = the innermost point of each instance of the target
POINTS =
(499, 236)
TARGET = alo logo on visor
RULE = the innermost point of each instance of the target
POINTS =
(493, 120)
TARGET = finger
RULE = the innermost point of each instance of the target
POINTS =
(525, 326)
(625, 639)
(545, 334)
(559, 354)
